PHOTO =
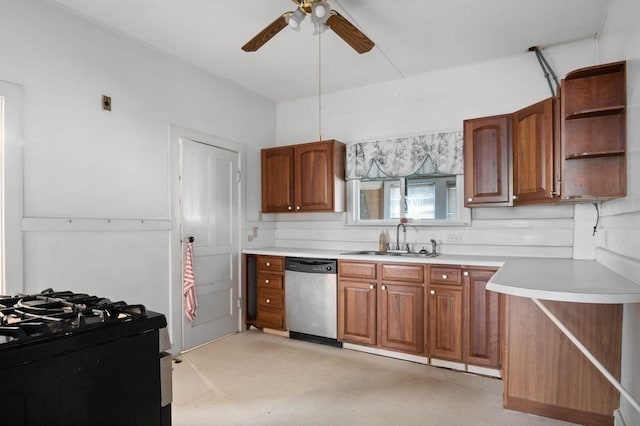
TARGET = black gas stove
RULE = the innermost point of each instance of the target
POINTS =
(75, 359)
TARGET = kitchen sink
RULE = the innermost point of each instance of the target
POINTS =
(389, 253)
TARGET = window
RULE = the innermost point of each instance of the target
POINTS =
(422, 199)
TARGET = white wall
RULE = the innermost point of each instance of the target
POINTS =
(427, 103)
(620, 40)
(86, 165)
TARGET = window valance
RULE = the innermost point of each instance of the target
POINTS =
(420, 155)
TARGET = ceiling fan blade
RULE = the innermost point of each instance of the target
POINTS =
(349, 33)
(265, 35)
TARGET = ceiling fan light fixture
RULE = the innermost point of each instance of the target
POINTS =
(295, 19)
(320, 11)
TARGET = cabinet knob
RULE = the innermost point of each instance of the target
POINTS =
(469, 199)
(514, 197)
(266, 281)
(445, 276)
(268, 263)
(268, 300)
(465, 273)
(384, 287)
(289, 208)
(297, 207)
(432, 291)
(371, 286)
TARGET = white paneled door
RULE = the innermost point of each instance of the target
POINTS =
(210, 213)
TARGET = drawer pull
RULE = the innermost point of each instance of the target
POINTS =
(371, 286)
(432, 291)
(289, 208)
(384, 287)
(266, 281)
(445, 276)
(268, 300)
(268, 263)
(465, 273)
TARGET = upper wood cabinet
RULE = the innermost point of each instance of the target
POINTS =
(487, 161)
(593, 133)
(535, 153)
(304, 178)
(570, 150)
(277, 180)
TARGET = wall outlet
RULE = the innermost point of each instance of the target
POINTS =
(454, 238)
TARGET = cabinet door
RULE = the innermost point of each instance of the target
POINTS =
(277, 180)
(445, 323)
(481, 320)
(533, 153)
(487, 156)
(314, 177)
(357, 312)
(401, 318)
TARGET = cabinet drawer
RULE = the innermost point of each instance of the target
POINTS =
(445, 275)
(269, 281)
(270, 263)
(403, 272)
(271, 319)
(366, 270)
(270, 299)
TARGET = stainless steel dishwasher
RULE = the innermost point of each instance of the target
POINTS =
(311, 299)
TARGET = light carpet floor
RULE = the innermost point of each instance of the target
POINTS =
(252, 378)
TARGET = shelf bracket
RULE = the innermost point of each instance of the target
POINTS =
(603, 370)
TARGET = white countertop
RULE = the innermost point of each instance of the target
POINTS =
(568, 280)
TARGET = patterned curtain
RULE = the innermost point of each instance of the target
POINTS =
(421, 155)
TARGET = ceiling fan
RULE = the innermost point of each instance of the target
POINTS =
(322, 17)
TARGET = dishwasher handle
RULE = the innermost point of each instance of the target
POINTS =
(310, 265)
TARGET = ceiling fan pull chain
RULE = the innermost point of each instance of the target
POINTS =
(320, 86)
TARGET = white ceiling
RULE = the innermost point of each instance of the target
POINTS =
(411, 36)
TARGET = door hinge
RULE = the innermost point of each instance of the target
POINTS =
(238, 174)
(239, 302)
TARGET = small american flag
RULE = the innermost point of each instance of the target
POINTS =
(189, 286)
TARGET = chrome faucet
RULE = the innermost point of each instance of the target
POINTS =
(404, 230)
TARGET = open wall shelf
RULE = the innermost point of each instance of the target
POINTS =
(594, 133)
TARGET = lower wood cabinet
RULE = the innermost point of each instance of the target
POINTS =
(381, 305)
(440, 311)
(357, 311)
(481, 313)
(464, 318)
(270, 308)
(445, 322)
(401, 307)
